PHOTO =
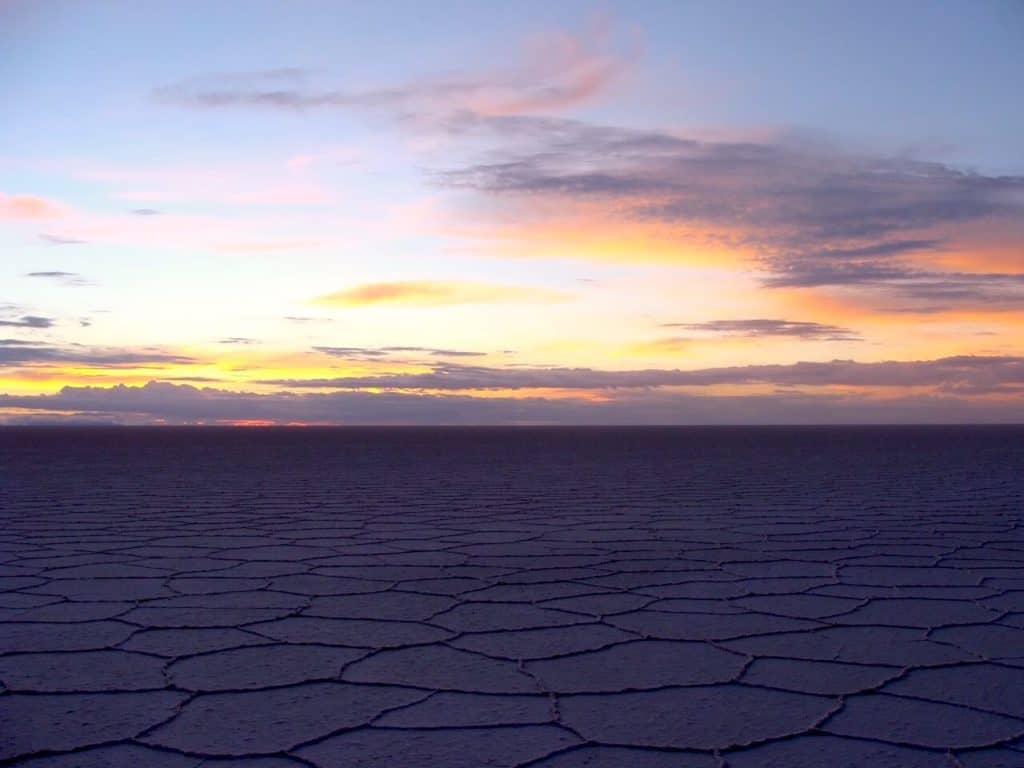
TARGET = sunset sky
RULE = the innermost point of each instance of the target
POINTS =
(533, 212)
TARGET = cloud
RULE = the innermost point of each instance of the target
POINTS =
(19, 353)
(878, 250)
(429, 293)
(28, 207)
(764, 327)
(557, 71)
(808, 215)
(185, 404)
(781, 193)
(804, 213)
(434, 352)
(28, 321)
(146, 212)
(257, 89)
(950, 290)
(902, 288)
(66, 278)
(454, 377)
(302, 319)
(59, 240)
(377, 353)
(237, 340)
(963, 373)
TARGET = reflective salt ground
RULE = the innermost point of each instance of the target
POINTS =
(559, 598)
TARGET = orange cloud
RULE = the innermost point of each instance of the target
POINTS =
(592, 230)
(980, 246)
(18, 207)
(428, 293)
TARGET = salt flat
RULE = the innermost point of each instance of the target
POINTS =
(540, 597)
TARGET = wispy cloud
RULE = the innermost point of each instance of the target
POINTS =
(904, 288)
(557, 71)
(756, 327)
(28, 321)
(65, 278)
(431, 293)
(19, 353)
(303, 319)
(378, 353)
(61, 240)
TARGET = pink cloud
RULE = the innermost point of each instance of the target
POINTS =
(560, 71)
(557, 71)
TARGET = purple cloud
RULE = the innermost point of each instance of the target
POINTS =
(755, 327)
(963, 373)
(19, 353)
(185, 404)
(28, 321)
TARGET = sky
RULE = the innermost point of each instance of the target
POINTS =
(314, 212)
